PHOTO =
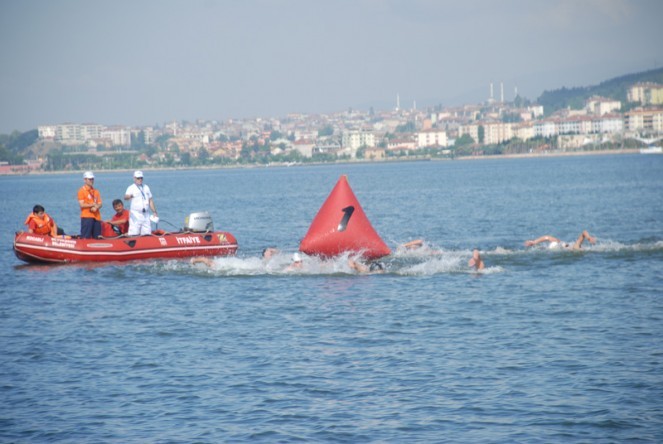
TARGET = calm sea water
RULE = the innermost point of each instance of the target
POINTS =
(543, 346)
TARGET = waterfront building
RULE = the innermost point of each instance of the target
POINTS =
(523, 130)
(375, 153)
(118, 135)
(353, 140)
(649, 120)
(496, 132)
(304, 147)
(431, 137)
(470, 130)
(401, 144)
(545, 128)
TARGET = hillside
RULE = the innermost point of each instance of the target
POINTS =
(614, 88)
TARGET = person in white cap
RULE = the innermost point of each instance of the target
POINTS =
(141, 204)
(89, 200)
(297, 262)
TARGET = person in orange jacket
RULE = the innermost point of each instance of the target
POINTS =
(89, 200)
(39, 222)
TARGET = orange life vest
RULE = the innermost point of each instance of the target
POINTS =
(42, 225)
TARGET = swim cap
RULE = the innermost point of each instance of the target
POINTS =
(376, 266)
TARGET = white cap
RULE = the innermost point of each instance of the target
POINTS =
(296, 257)
(88, 175)
(138, 174)
(154, 219)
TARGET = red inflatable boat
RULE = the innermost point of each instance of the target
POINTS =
(160, 245)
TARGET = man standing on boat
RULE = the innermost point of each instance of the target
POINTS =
(89, 200)
(141, 204)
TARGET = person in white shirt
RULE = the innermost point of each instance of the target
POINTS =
(141, 204)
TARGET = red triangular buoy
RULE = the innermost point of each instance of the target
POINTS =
(341, 225)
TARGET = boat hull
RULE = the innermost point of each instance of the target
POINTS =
(30, 247)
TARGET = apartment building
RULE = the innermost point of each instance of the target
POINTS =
(70, 133)
(608, 124)
(600, 105)
(644, 120)
(494, 132)
(523, 130)
(470, 130)
(401, 144)
(117, 135)
(46, 132)
(353, 140)
(431, 137)
(497, 132)
(304, 146)
(647, 93)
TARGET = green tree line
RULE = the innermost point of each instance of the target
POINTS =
(616, 88)
(12, 146)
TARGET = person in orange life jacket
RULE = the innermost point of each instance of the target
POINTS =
(141, 203)
(39, 222)
(89, 200)
(120, 220)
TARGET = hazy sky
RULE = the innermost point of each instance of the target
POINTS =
(141, 62)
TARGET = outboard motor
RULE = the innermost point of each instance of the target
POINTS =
(201, 222)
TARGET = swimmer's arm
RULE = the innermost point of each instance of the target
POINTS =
(546, 238)
(413, 244)
(357, 266)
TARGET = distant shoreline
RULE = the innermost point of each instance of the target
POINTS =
(356, 161)
(554, 154)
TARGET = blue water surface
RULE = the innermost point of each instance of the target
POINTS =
(541, 346)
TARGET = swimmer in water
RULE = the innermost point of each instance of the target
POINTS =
(371, 268)
(413, 244)
(556, 243)
(476, 261)
(202, 260)
(418, 245)
(267, 254)
(297, 262)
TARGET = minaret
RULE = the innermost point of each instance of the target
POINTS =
(502, 92)
(398, 102)
(491, 92)
(414, 104)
